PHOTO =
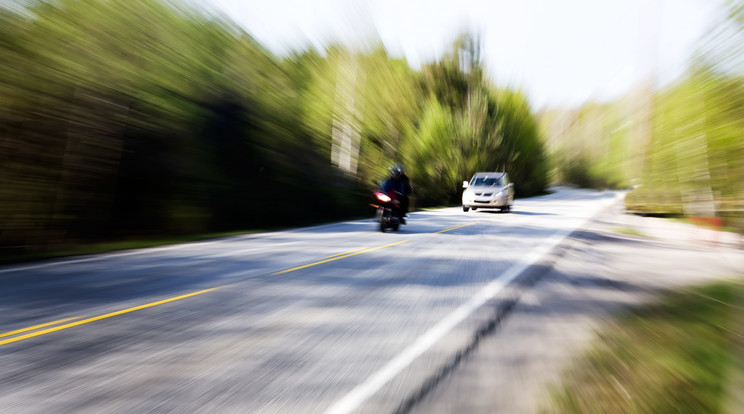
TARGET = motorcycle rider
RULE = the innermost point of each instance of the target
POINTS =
(398, 182)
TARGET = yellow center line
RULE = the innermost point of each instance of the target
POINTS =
(456, 227)
(363, 250)
(98, 318)
(339, 257)
(31, 328)
(341, 254)
(173, 299)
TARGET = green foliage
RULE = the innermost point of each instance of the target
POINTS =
(673, 356)
(126, 119)
(683, 144)
(469, 126)
(597, 145)
(697, 152)
(521, 152)
(433, 154)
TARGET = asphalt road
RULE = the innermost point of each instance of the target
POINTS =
(597, 273)
(336, 318)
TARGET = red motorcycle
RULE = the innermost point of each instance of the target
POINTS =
(389, 212)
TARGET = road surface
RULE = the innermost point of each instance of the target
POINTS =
(599, 273)
(336, 318)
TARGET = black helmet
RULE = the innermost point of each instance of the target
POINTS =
(396, 169)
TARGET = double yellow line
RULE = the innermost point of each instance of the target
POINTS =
(36, 330)
(340, 256)
(31, 328)
(363, 250)
(88, 320)
(450, 228)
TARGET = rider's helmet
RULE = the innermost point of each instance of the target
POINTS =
(396, 170)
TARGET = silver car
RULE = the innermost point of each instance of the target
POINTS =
(488, 190)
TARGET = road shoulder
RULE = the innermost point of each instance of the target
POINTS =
(599, 272)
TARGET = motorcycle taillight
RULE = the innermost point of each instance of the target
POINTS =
(382, 197)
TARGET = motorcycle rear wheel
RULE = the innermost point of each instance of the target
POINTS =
(384, 218)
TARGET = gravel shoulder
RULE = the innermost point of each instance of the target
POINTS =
(596, 273)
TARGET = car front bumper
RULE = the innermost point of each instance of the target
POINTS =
(486, 202)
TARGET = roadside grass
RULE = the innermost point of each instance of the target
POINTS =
(679, 355)
(629, 231)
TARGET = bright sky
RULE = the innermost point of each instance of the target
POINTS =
(559, 52)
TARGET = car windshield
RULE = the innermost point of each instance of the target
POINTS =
(487, 181)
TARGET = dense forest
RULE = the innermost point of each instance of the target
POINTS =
(679, 147)
(124, 119)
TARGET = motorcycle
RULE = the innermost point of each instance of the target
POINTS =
(389, 213)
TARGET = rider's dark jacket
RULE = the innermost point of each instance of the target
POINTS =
(400, 185)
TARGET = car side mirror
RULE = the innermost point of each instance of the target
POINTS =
(464, 184)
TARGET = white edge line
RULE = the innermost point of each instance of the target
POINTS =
(145, 250)
(357, 396)
(102, 256)
(176, 246)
